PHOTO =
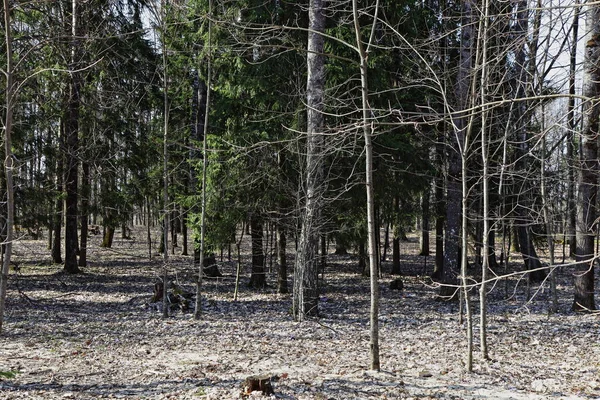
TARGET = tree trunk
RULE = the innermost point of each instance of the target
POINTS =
(571, 125)
(85, 199)
(588, 167)
(57, 218)
(440, 210)
(257, 278)
(282, 285)
(108, 236)
(372, 226)
(306, 291)
(71, 153)
(424, 242)
(8, 164)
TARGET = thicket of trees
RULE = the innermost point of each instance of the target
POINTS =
(275, 115)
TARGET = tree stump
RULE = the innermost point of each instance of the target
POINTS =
(255, 383)
(396, 284)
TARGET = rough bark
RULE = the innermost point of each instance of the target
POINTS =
(588, 167)
(571, 126)
(282, 284)
(424, 240)
(257, 278)
(306, 291)
(72, 154)
(85, 199)
(8, 163)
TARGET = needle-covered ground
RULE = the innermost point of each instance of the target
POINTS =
(94, 335)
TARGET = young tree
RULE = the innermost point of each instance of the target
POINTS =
(10, 93)
(367, 126)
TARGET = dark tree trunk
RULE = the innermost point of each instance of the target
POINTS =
(424, 244)
(363, 267)
(108, 236)
(72, 150)
(386, 242)
(184, 233)
(257, 278)
(282, 284)
(440, 211)
(71, 177)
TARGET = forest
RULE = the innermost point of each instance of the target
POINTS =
(343, 199)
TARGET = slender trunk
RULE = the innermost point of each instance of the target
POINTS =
(424, 242)
(306, 290)
(8, 162)
(238, 270)
(483, 31)
(165, 155)
(373, 254)
(386, 242)
(184, 232)
(571, 127)
(148, 231)
(198, 306)
(548, 223)
(257, 278)
(85, 199)
(71, 151)
(57, 218)
(396, 269)
(282, 285)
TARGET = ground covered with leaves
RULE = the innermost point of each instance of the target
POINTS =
(95, 335)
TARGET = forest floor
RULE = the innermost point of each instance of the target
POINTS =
(94, 335)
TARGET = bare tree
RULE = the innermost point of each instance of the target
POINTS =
(367, 125)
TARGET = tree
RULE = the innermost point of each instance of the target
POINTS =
(10, 93)
(71, 143)
(588, 166)
(367, 126)
(306, 291)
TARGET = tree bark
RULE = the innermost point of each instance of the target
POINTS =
(72, 153)
(372, 231)
(85, 199)
(257, 278)
(282, 285)
(571, 126)
(424, 242)
(8, 162)
(306, 291)
(588, 167)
